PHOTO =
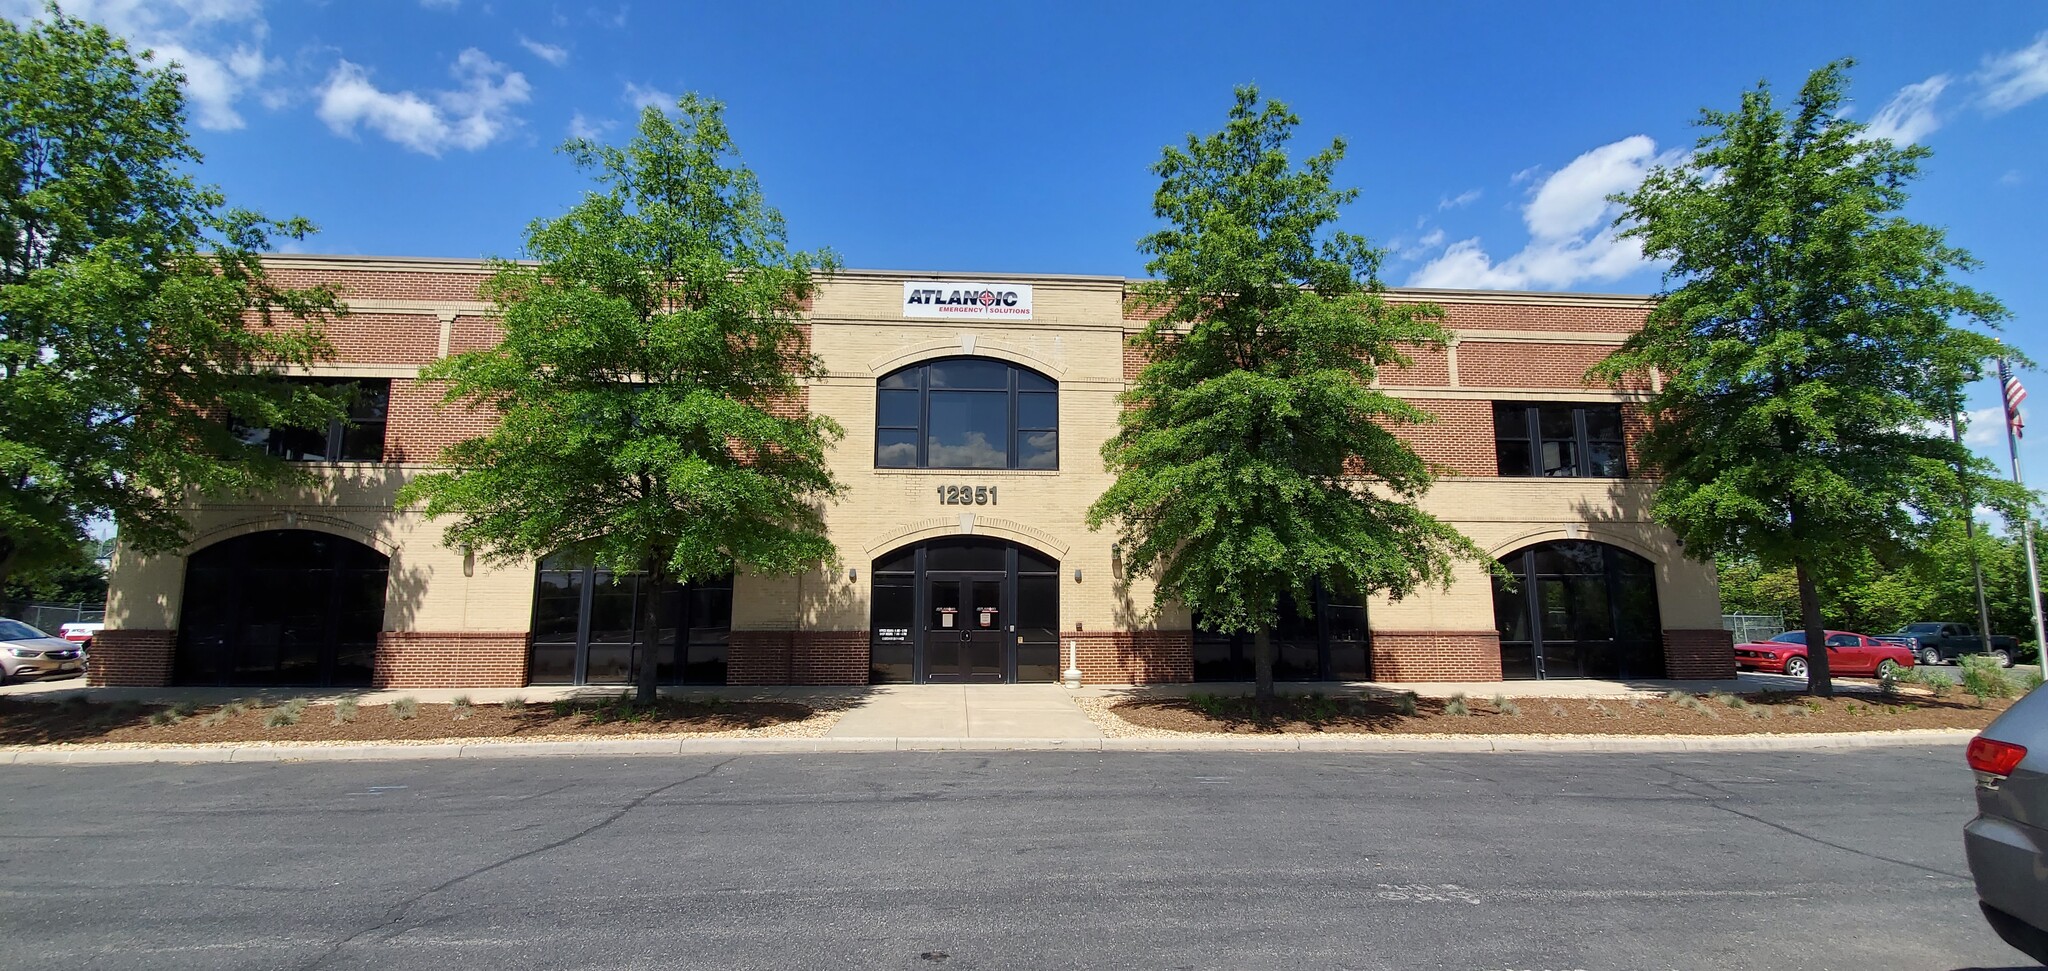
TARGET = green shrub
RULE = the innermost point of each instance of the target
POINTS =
(1983, 678)
(345, 710)
(460, 708)
(162, 718)
(2030, 681)
(1599, 710)
(564, 707)
(406, 708)
(185, 709)
(514, 704)
(1938, 683)
(280, 717)
(1405, 703)
(1456, 707)
(1729, 700)
(1506, 706)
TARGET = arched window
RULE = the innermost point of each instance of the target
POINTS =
(282, 607)
(965, 608)
(586, 627)
(1578, 609)
(966, 413)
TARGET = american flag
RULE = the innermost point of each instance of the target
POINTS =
(2014, 394)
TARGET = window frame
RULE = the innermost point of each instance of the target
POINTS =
(337, 431)
(1014, 431)
(1581, 441)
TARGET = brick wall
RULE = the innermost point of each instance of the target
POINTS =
(421, 426)
(797, 657)
(1503, 364)
(1460, 439)
(1693, 654)
(452, 659)
(1588, 318)
(1427, 367)
(132, 658)
(1435, 655)
(382, 284)
(1132, 657)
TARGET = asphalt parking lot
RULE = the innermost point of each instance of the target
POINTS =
(1006, 860)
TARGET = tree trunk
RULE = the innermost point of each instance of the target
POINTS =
(1262, 666)
(1818, 680)
(653, 580)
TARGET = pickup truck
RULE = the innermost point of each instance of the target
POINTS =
(1935, 642)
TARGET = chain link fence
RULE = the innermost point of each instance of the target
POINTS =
(47, 617)
(1753, 627)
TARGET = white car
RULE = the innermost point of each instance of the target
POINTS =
(28, 654)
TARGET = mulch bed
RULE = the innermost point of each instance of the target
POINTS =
(1771, 712)
(42, 723)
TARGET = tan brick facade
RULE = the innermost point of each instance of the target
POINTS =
(451, 620)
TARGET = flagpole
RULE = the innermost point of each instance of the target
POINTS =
(2012, 442)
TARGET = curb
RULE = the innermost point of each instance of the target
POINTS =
(1364, 744)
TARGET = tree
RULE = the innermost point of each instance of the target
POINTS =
(642, 388)
(134, 311)
(1254, 456)
(1809, 350)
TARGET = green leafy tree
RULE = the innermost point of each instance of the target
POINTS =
(134, 310)
(1808, 348)
(651, 353)
(1254, 457)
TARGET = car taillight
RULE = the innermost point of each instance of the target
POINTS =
(1993, 757)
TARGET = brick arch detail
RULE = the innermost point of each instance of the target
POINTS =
(331, 525)
(1588, 533)
(939, 528)
(983, 347)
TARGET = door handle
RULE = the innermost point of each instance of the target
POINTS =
(966, 635)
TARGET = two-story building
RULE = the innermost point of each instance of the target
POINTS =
(975, 410)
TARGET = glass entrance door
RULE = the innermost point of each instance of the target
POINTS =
(965, 633)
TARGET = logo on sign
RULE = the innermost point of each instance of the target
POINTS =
(940, 299)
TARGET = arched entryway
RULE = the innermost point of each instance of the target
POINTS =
(281, 607)
(1578, 609)
(587, 627)
(964, 609)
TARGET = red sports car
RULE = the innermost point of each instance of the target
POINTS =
(1848, 653)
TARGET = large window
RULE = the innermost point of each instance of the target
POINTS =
(356, 438)
(967, 413)
(1578, 609)
(586, 627)
(283, 607)
(1559, 440)
(1326, 642)
(965, 609)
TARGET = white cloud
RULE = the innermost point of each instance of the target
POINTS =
(646, 96)
(2016, 77)
(2012, 177)
(1572, 239)
(1464, 198)
(1984, 426)
(440, 4)
(1432, 239)
(584, 126)
(551, 53)
(469, 117)
(217, 44)
(1910, 116)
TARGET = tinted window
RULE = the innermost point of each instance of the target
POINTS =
(1559, 440)
(966, 413)
(1578, 608)
(1791, 637)
(14, 630)
(359, 437)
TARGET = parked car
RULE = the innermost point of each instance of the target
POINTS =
(1848, 654)
(1936, 642)
(2005, 843)
(27, 653)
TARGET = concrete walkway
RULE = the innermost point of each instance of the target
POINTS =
(968, 711)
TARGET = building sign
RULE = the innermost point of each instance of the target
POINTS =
(932, 298)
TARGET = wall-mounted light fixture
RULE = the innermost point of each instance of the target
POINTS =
(1116, 559)
(469, 563)
(1077, 574)
(852, 573)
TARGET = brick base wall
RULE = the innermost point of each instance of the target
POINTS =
(1699, 654)
(454, 659)
(797, 657)
(132, 658)
(1132, 656)
(1435, 655)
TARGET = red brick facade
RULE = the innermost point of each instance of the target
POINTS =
(1435, 655)
(132, 658)
(1699, 654)
(797, 657)
(451, 659)
(1132, 656)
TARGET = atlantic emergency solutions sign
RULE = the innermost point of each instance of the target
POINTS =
(931, 298)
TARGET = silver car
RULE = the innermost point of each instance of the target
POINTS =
(27, 653)
(2008, 841)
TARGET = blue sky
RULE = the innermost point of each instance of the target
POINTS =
(1016, 137)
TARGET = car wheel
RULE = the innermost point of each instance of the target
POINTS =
(1930, 656)
(1795, 667)
(1887, 668)
(2003, 657)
